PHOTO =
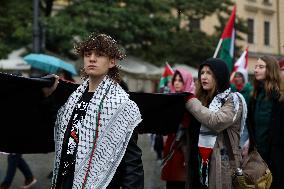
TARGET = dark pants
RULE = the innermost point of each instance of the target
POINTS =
(14, 161)
(159, 145)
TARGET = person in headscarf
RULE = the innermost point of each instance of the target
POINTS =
(174, 170)
(220, 112)
(93, 130)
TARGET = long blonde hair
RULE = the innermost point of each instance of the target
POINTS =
(272, 77)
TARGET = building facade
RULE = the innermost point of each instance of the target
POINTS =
(265, 22)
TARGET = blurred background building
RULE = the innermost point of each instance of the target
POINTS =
(265, 28)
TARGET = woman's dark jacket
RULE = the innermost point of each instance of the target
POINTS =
(274, 151)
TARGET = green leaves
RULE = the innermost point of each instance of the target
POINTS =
(150, 29)
(15, 24)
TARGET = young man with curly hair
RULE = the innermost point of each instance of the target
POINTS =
(93, 131)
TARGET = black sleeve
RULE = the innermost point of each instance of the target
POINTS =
(130, 173)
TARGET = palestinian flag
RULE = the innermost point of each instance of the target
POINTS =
(166, 77)
(225, 48)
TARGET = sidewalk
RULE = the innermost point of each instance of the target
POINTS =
(151, 165)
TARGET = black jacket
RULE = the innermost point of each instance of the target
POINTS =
(276, 151)
(275, 140)
(130, 173)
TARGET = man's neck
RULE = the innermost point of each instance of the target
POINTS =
(94, 83)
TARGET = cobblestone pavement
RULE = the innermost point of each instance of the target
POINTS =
(41, 165)
(151, 165)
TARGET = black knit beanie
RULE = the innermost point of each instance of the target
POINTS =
(221, 72)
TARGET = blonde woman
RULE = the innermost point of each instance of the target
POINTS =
(266, 115)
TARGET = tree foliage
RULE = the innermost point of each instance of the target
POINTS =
(147, 29)
(15, 24)
(16, 19)
(137, 24)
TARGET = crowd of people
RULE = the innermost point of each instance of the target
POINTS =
(96, 139)
(233, 107)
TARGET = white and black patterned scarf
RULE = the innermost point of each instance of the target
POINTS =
(119, 116)
(207, 137)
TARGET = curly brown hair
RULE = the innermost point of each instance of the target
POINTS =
(101, 44)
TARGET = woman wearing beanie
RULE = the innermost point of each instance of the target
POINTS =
(174, 165)
(221, 113)
(266, 117)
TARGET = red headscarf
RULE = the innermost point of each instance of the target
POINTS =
(187, 79)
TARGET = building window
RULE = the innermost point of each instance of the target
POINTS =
(267, 2)
(266, 33)
(194, 24)
(250, 30)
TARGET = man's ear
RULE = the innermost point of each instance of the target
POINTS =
(112, 63)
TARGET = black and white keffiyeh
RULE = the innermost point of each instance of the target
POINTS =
(118, 118)
(207, 137)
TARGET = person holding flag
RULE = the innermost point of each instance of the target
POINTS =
(220, 112)
(95, 146)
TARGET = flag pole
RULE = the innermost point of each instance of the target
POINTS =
(218, 48)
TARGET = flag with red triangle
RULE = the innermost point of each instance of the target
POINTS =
(166, 77)
(225, 47)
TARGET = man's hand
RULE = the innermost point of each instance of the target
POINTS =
(47, 91)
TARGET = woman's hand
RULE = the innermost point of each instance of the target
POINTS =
(47, 91)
